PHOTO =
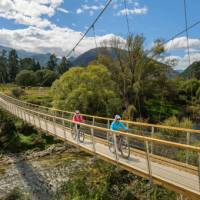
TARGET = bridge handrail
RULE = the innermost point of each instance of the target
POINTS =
(138, 137)
(110, 119)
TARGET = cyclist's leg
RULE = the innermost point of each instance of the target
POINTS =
(78, 129)
(118, 141)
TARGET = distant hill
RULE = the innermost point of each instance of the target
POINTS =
(90, 55)
(41, 58)
(193, 71)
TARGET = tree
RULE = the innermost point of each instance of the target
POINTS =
(89, 89)
(64, 65)
(12, 65)
(36, 67)
(133, 68)
(45, 77)
(26, 78)
(3, 67)
(27, 63)
(52, 63)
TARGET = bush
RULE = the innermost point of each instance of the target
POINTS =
(17, 92)
(45, 77)
(26, 129)
(26, 78)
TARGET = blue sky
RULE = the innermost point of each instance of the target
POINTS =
(56, 25)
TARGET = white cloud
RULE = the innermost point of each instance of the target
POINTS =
(86, 7)
(181, 43)
(29, 12)
(55, 40)
(134, 11)
(63, 10)
(79, 11)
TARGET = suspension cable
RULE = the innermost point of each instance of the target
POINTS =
(127, 20)
(95, 41)
(90, 27)
(186, 26)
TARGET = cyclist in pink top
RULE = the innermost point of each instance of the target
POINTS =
(77, 118)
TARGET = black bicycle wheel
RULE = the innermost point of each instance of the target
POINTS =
(111, 144)
(73, 133)
(81, 136)
(125, 148)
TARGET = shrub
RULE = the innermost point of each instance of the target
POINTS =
(17, 92)
(26, 129)
(26, 78)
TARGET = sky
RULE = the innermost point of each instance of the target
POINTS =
(54, 26)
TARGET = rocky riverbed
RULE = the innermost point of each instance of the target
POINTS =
(40, 174)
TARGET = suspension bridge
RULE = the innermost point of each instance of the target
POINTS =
(153, 158)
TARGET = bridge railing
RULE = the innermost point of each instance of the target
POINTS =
(162, 148)
(173, 134)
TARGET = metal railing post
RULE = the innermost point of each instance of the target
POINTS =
(188, 143)
(93, 142)
(25, 116)
(29, 118)
(46, 126)
(39, 121)
(152, 135)
(34, 121)
(108, 124)
(148, 162)
(54, 125)
(63, 121)
(71, 122)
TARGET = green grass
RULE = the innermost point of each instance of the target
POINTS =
(26, 139)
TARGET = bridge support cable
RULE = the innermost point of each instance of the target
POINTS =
(90, 27)
(127, 20)
(187, 34)
(95, 42)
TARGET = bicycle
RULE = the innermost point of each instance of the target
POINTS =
(78, 132)
(123, 145)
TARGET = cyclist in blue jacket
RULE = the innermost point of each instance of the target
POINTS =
(116, 126)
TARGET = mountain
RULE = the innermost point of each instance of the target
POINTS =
(90, 55)
(41, 58)
(193, 71)
(179, 71)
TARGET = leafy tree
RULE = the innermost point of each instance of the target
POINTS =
(3, 67)
(52, 63)
(37, 66)
(12, 65)
(64, 65)
(45, 77)
(133, 70)
(26, 78)
(89, 89)
(7, 129)
(27, 63)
